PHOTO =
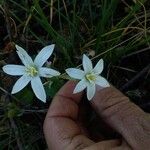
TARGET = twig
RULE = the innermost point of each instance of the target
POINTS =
(116, 46)
(133, 80)
(3, 90)
(137, 52)
(51, 11)
(7, 19)
(13, 125)
(35, 111)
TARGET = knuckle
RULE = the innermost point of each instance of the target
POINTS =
(115, 105)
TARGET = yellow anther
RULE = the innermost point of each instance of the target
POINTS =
(90, 77)
(31, 71)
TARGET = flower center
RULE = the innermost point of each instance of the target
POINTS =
(32, 71)
(90, 77)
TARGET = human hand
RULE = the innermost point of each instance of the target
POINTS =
(64, 131)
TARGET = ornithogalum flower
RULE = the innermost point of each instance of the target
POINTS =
(32, 71)
(90, 77)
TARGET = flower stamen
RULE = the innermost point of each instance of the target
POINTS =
(32, 71)
(90, 77)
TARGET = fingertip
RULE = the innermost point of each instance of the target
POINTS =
(65, 103)
(67, 91)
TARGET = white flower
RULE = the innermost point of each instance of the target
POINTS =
(32, 71)
(89, 77)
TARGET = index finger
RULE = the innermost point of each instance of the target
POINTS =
(124, 116)
(60, 127)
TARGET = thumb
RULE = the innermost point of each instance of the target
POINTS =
(124, 116)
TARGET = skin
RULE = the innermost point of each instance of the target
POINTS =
(63, 128)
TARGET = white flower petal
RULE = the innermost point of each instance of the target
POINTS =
(87, 64)
(75, 73)
(14, 69)
(80, 86)
(20, 84)
(43, 55)
(99, 67)
(48, 72)
(38, 88)
(90, 91)
(23, 55)
(102, 82)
